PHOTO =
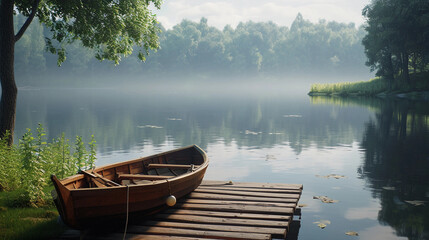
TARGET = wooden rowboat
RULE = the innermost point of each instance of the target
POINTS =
(139, 185)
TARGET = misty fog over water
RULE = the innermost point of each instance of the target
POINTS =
(265, 130)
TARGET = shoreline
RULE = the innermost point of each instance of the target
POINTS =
(412, 95)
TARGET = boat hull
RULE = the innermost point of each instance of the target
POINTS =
(80, 205)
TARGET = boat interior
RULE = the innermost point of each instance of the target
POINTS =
(140, 171)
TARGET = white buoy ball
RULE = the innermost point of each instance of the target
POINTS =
(171, 200)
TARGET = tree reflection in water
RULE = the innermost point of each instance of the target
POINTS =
(396, 165)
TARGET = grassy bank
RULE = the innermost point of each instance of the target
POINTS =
(27, 222)
(377, 86)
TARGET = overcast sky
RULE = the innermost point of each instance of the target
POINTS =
(282, 12)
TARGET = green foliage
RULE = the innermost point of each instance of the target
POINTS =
(26, 168)
(369, 88)
(10, 166)
(397, 38)
(130, 23)
(328, 47)
(80, 153)
(92, 155)
(373, 87)
(61, 151)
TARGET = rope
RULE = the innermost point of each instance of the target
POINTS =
(128, 205)
(169, 187)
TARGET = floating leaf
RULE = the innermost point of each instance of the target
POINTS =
(149, 126)
(302, 205)
(325, 199)
(322, 223)
(352, 233)
(416, 202)
(248, 132)
(336, 176)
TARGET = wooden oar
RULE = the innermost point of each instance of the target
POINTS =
(94, 176)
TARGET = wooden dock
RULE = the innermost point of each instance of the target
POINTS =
(217, 210)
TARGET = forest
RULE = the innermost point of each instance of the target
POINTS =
(197, 48)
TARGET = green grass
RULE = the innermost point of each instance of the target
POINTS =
(372, 87)
(27, 222)
(363, 88)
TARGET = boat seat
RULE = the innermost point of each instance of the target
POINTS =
(141, 177)
(178, 166)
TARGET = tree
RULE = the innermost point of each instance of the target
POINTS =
(111, 27)
(397, 35)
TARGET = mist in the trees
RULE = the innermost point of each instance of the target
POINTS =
(189, 49)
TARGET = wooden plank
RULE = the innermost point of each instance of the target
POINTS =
(221, 220)
(249, 184)
(179, 166)
(142, 177)
(222, 202)
(197, 233)
(276, 232)
(252, 194)
(236, 208)
(157, 237)
(97, 183)
(242, 198)
(130, 236)
(249, 189)
(228, 214)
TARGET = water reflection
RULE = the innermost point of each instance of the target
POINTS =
(122, 120)
(396, 162)
(396, 165)
(381, 146)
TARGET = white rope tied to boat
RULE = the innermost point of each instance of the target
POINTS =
(171, 200)
(128, 205)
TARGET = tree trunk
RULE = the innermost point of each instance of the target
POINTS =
(390, 76)
(405, 70)
(7, 78)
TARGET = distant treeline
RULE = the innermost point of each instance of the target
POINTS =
(195, 47)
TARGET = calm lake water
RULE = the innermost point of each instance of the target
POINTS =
(276, 135)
